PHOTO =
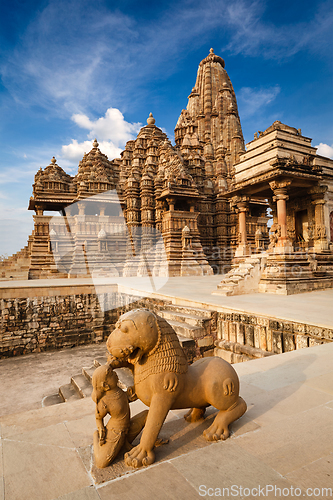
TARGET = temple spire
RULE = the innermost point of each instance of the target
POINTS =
(212, 110)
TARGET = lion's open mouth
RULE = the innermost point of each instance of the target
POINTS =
(135, 355)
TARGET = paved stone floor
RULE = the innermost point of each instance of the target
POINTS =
(285, 439)
(26, 380)
(310, 307)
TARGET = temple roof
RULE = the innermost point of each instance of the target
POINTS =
(94, 169)
(52, 173)
(212, 58)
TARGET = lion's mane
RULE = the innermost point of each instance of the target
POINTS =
(167, 355)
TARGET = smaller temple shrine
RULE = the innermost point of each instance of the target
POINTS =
(281, 167)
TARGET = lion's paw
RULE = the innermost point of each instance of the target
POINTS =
(139, 457)
(215, 433)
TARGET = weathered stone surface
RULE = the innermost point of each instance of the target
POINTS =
(53, 322)
(206, 341)
(288, 342)
(277, 342)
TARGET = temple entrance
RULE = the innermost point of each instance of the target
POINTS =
(302, 227)
(331, 226)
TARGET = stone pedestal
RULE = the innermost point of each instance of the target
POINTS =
(286, 274)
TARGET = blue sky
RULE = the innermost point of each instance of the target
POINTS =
(73, 70)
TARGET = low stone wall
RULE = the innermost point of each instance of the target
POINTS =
(58, 320)
(261, 334)
(52, 322)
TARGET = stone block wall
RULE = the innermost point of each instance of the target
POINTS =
(52, 322)
(46, 322)
(261, 335)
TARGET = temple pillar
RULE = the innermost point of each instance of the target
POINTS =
(280, 189)
(39, 210)
(243, 248)
(320, 237)
(171, 202)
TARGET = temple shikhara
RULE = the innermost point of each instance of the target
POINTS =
(260, 215)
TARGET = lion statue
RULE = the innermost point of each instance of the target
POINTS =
(164, 381)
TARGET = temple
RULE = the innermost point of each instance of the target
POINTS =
(262, 215)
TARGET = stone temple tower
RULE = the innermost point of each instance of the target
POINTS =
(210, 128)
(212, 113)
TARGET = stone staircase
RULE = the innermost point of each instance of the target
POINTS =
(244, 276)
(80, 384)
(188, 322)
(17, 266)
(194, 327)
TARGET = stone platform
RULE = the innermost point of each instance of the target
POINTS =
(197, 291)
(284, 440)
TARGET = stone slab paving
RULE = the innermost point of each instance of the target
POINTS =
(284, 440)
(314, 308)
(26, 380)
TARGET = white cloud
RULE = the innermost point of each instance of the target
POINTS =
(112, 127)
(325, 150)
(75, 150)
(252, 100)
(17, 175)
(112, 132)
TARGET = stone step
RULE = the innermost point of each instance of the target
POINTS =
(100, 360)
(193, 311)
(232, 280)
(54, 399)
(81, 385)
(184, 330)
(226, 285)
(254, 261)
(186, 342)
(88, 372)
(182, 317)
(226, 292)
(245, 267)
(250, 351)
(68, 393)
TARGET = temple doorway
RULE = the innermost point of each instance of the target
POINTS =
(302, 227)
